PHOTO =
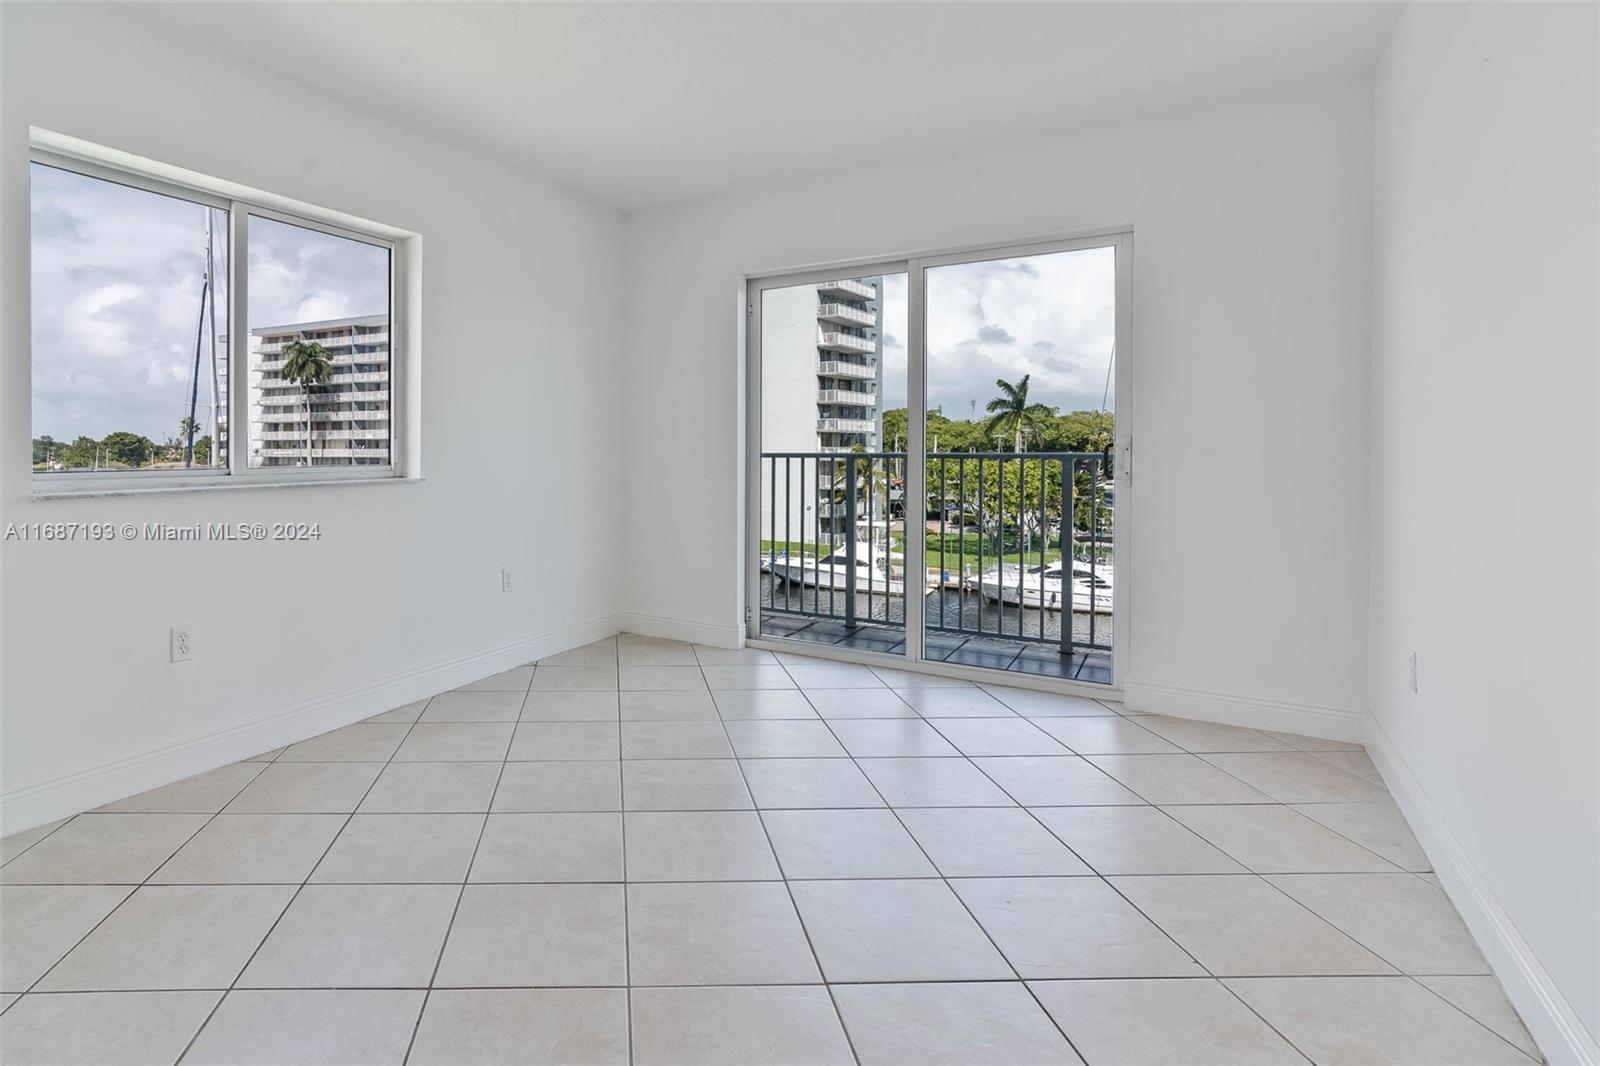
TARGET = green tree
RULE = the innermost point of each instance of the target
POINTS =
(129, 449)
(44, 447)
(187, 428)
(1010, 412)
(81, 454)
(896, 435)
(202, 450)
(307, 364)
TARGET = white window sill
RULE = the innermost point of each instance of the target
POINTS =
(229, 484)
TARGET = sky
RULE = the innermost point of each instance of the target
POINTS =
(1050, 316)
(116, 294)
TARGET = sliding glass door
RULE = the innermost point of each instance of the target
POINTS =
(937, 466)
(1020, 459)
(828, 420)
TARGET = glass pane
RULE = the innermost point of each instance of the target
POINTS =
(1020, 421)
(319, 348)
(130, 327)
(832, 467)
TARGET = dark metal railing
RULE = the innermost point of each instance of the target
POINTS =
(991, 578)
(836, 498)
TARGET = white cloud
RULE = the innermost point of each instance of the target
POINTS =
(1051, 316)
(116, 293)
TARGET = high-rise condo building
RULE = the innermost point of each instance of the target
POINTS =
(349, 415)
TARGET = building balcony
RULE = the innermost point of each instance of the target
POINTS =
(855, 399)
(291, 452)
(845, 315)
(846, 425)
(285, 413)
(830, 368)
(344, 341)
(846, 342)
(852, 290)
(322, 434)
(275, 361)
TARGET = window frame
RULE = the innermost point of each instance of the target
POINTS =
(86, 160)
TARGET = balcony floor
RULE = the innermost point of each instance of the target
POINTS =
(994, 653)
(647, 850)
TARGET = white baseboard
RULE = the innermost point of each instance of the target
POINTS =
(83, 790)
(654, 625)
(1550, 1019)
(1328, 723)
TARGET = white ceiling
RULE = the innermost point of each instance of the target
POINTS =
(642, 104)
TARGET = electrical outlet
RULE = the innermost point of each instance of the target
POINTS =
(1411, 665)
(182, 643)
(505, 580)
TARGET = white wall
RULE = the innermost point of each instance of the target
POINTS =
(1252, 233)
(1485, 479)
(521, 283)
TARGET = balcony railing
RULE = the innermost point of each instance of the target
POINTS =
(855, 290)
(322, 434)
(847, 396)
(844, 314)
(845, 342)
(1017, 545)
(832, 368)
(366, 455)
(846, 425)
(275, 361)
(344, 341)
(296, 413)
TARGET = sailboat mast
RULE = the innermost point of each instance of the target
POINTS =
(211, 308)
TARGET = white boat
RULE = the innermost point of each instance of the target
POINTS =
(1040, 587)
(875, 569)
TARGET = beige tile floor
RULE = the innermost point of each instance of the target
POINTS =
(643, 850)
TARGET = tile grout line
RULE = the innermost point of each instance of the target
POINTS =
(466, 877)
(61, 823)
(739, 764)
(135, 889)
(301, 887)
(816, 960)
(1192, 978)
(947, 887)
(622, 819)
(1210, 975)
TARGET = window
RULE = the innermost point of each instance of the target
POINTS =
(130, 334)
(179, 335)
(319, 347)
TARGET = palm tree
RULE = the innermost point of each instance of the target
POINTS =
(186, 431)
(1012, 413)
(307, 364)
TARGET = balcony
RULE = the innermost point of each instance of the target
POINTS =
(345, 341)
(380, 455)
(846, 342)
(270, 412)
(1019, 581)
(360, 377)
(271, 361)
(846, 425)
(322, 434)
(845, 396)
(851, 290)
(831, 368)
(845, 315)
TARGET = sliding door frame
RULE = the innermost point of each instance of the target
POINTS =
(755, 285)
(915, 268)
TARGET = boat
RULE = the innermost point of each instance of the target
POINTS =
(875, 569)
(1041, 587)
